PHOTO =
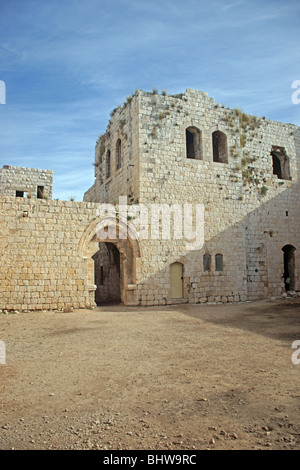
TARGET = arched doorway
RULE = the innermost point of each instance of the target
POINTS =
(107, 274)
(289, 267)
(176, 277)
(124, 250)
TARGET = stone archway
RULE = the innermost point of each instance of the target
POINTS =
(121, 235)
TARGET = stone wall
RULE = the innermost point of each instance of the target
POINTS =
(41, 263)
(26, 182)
(245, 199)
(121, 138)
(243, 170)
(49, 257)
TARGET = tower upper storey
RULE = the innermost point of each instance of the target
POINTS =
(156, 142)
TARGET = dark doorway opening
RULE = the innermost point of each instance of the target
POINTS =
(289, 267)
(107, 274)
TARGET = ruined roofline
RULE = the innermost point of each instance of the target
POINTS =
(189, 94)
(13, 167)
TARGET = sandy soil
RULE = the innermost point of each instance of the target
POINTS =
(179, 377)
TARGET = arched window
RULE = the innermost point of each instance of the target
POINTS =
(219, 262)
(219, 143)
(118, 154)
(193, 143)
(280, 162)
(108, 169)
(206, 262)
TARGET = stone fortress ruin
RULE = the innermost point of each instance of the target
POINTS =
(161, 154)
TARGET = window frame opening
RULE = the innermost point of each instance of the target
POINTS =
(219, 262)
(40, 192)
(108, 164)
(219, 147)
(193, 143)
(118, 154)
(280, 163)
(206, 262)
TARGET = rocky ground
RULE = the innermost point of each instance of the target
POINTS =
(181, 377)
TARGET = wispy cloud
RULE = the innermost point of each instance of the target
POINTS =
(68, 64)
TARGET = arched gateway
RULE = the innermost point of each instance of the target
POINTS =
(111, 230)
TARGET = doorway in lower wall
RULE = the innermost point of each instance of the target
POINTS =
(107, 274)
(176, 275)
(289, 267)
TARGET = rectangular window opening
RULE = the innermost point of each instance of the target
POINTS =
(40, 192)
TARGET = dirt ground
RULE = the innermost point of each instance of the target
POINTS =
(179, 377)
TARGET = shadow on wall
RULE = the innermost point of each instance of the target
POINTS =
(260, 258)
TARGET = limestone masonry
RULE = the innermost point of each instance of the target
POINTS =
(26, 182)
(160, 153)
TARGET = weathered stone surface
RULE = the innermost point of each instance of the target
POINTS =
(28, 181)
(251, 210)
(250, 201)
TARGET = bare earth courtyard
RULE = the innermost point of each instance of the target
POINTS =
(159, 378)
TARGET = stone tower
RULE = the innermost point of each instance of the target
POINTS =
(163, 152)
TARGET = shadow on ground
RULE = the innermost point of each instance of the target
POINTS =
(278, 319)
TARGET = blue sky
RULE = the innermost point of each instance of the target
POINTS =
(68, 64)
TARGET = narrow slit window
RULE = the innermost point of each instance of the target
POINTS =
(108, 167)
(118, 154)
